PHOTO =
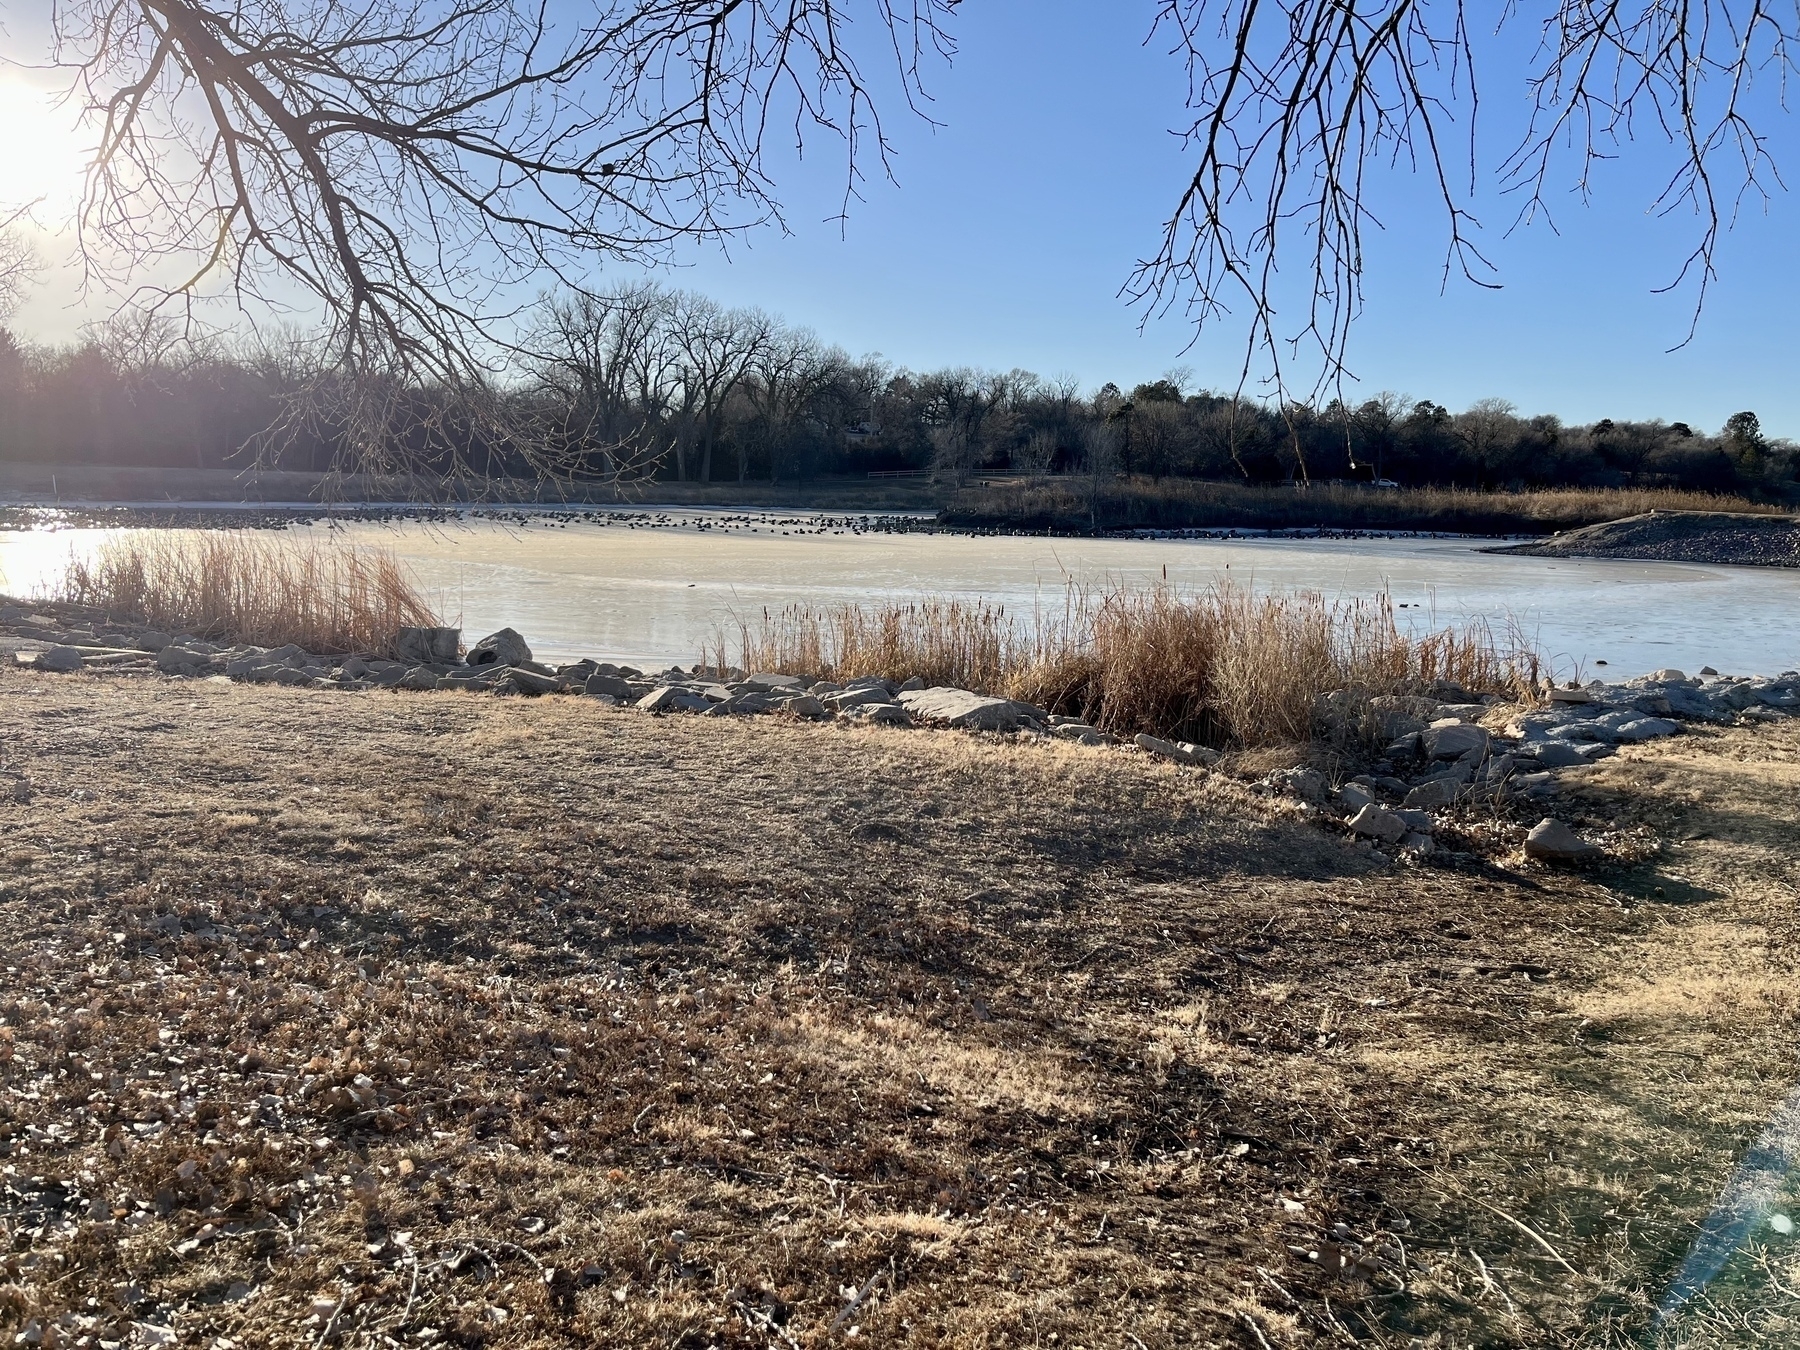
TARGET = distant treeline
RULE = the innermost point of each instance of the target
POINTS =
(649, 382)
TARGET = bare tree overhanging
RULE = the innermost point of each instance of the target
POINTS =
(411, 166)
(18, 260)
(406, 164)
(1298, 104)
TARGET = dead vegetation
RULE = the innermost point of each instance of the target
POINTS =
(1074, 504)
(377, 1019)
(1223, 665)
(242, 586)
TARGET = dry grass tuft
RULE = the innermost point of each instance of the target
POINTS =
(247, 587)
(1224, 666)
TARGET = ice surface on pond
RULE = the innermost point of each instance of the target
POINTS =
(655, 595)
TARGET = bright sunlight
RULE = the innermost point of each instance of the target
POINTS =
(42, 154)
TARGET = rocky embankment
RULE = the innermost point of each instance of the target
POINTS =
(1444, 757)
(1722, 538)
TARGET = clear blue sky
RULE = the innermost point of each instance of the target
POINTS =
(1009, 230)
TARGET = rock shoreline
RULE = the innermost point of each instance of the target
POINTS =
(1719, 538)
(1443, 753)
(202, 516)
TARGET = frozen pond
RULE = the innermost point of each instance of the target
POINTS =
(654, 595)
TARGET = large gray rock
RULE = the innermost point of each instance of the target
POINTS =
(529, 681)
(971, 712)
(870, 682)
(1182, 752)
(1552, 841)
(850, 698)
(177, 659)
(1687, 701)
(1082, 735)
(1400, 714)
(1308, 785)
(1580, 731)
(1458, 775)
(427, 646)
(505, 648)
(417, 678)
(1461, 712)
(1379, 823)
(806, 706)
(768, 683)
(1738, 696)
(60, 659)
(750, 702)
(1560, 755)
(1352, 797)
(1570, 696)
(673, 698)
(291, 655)
(1453, 740)
(611, 685)
(1646, 729)
(1439, 792)
(884, 714)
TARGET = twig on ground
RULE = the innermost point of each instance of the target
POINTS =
(1255, 1330)
(849, 1309)
(1529, 1232)
(1488, 1284)
(1523, 1227)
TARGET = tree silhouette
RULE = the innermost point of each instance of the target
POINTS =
(407, 165)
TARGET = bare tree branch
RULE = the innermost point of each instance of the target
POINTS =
(1297, 104)
(407, 165)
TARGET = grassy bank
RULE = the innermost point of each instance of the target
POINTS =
(243, 587)
(1171, 504)
(1222, 666)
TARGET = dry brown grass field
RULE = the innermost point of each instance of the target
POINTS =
(380, 1019)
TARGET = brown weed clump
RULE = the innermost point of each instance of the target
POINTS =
(1224, 666)
(242, 587)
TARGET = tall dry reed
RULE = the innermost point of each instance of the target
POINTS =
(1224, 665)
(244, 587)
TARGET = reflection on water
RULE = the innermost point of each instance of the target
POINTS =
(654, 595)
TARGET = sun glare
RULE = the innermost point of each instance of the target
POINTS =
(41, 149)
